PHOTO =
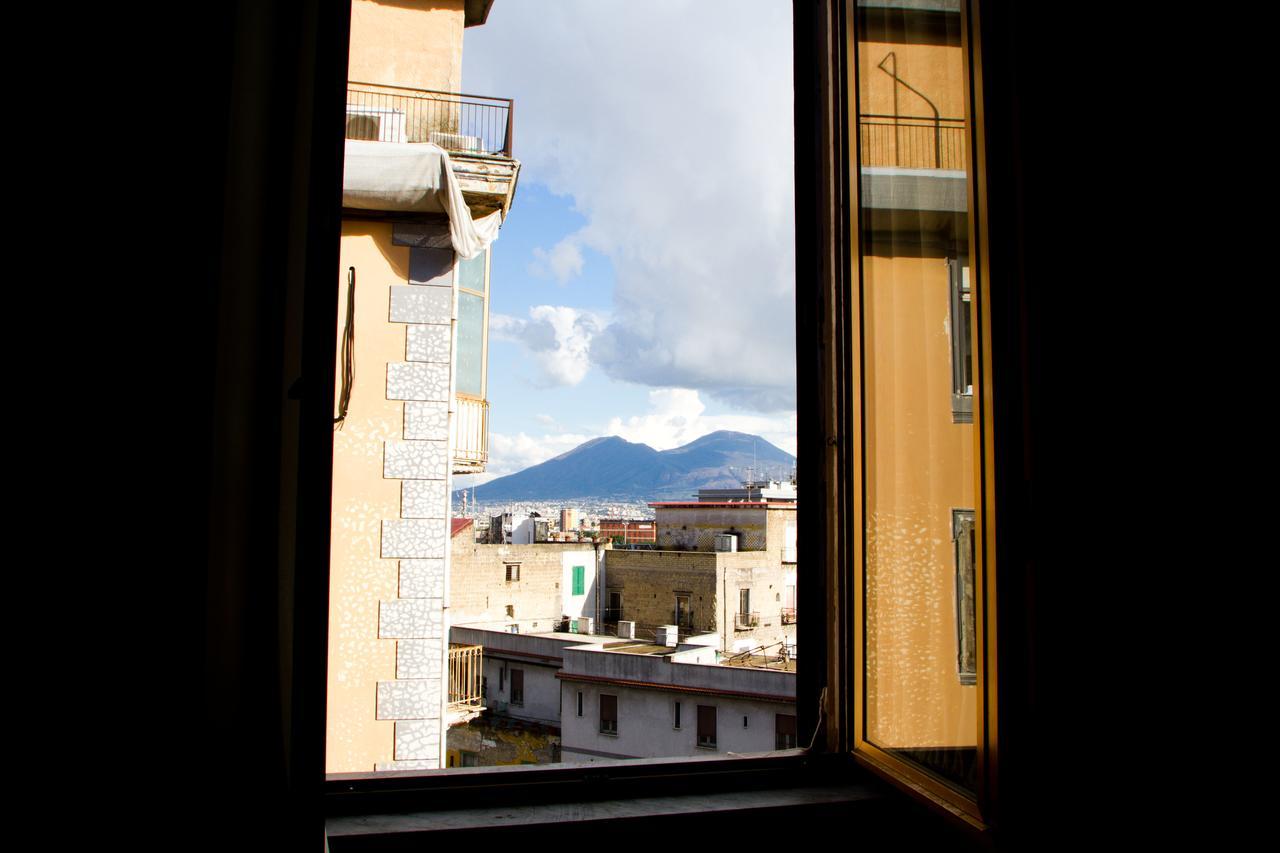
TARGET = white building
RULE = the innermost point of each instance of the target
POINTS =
(638, 700)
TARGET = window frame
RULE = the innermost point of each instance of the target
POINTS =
(512, 677)
(700, 739)
(827, 416)
(613, 731)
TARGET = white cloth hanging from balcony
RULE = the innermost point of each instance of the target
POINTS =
(414, 177)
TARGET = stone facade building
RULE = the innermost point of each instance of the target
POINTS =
(745, 596)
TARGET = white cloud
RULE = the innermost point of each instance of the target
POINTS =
(557, 338)
(562, 263)
(670, 126)
(676, 418)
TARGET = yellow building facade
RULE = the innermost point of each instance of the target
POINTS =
(412, 292)
(912, 233)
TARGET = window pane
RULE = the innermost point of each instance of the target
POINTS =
(914, 234)
(471, 273)
(470, 344)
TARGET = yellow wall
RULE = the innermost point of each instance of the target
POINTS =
(413, 43)
(362, 499)
(920, 466)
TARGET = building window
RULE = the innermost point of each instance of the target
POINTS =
(966, 602)
(608, 714)
(684, 612)
(513, 572)
(473, 322)
(613, 612)
(784, 731)
(961, 346)
(517, 687)
(579, 703)
(707, 726)
(579, 580)
(676, 724)
(502, 678)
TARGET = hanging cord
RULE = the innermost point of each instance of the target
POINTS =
(822, 713)
(348, 350)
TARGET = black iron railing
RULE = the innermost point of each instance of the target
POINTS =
(470, 124)
(912, 142)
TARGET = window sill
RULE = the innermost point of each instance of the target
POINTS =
(368, 832)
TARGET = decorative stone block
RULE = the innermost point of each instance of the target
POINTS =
(417, 740)
(422, 578)
(419, 658)
(413, 618)
(426, 342)
(414, 538)
(417, 380)
(415, 460)
(423, 499)
(426, 420)
(431, 266)
(411, 304)
(416, 699)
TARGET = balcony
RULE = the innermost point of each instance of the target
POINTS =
(470, 424)
(466, 666)
(912, 142)
(476, 130)
(746, 621)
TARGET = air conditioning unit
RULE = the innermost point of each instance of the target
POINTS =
(667, 635)
(626, 630)
(379, 124)
(726, 542)
(585, 625)
(457, 142)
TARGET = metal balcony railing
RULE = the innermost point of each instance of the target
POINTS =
(468, 124)
(466, 667)
(743, 621)
(912, 142)
(470, 434)
(788, 616)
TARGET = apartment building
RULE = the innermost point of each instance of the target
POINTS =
(725, 568)
(588, 698)
(629, 699)
(428, 179)
(532, 587)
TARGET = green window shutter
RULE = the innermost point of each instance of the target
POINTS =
(578, 582)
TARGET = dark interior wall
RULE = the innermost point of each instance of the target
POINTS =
(238, 653)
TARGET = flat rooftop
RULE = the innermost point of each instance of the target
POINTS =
(761, 662)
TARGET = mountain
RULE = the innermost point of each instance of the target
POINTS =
(615, 469)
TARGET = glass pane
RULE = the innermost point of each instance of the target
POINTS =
(471, 273)
(470, 344)
(921, 699)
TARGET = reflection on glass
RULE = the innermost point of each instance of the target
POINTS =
(921, 694)
(470, 344)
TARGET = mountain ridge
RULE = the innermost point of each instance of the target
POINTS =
(610, 467)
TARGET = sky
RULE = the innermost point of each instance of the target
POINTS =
(643, 282)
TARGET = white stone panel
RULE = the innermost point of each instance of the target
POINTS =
(426, 420)
(423, 499)
(416, 699)
(412, 304)
(415, 460)
(413, 538)
(417, 740)
(406, 765)
(422, 578)
(417, 380)
(426, 343)
(419, 658)
(411, 618)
